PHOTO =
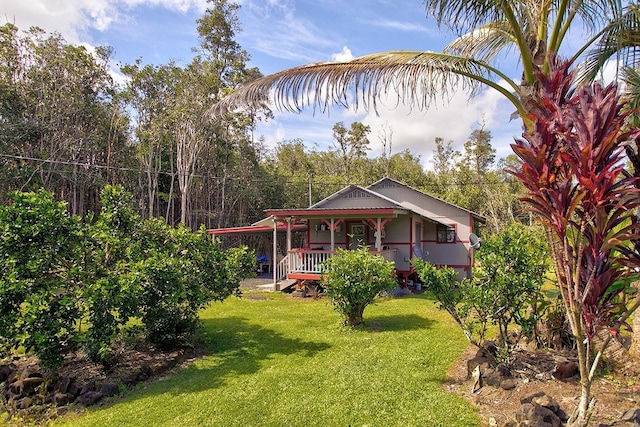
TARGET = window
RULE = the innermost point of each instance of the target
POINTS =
(446, 233)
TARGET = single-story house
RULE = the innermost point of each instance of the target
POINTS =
(396, 221)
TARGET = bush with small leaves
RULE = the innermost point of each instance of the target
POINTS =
(353, 279)
(39, 288)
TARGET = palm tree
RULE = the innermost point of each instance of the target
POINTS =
(537, 30)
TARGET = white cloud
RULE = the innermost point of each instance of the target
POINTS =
(343, 56)
(412, 129)
(402, 26)
(454, 121)
(73, 18)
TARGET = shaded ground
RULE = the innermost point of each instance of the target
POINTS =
(615, 393)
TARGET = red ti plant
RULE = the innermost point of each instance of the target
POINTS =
(572, 169)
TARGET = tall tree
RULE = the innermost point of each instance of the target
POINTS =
(59, 120)
(352, 145)
(149, 93)
(444, 156)
(479, 155)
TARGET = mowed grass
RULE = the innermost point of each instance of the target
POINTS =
(277, 361)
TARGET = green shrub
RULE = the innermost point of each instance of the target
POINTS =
(505, 288)
(178, 272)
(39, 290)
(512, 265)
(353, 279)
(66, 284)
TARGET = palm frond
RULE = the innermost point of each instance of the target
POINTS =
(463, 16)
(417, 79)
(619, 40)
(631, 96)
(483, 44)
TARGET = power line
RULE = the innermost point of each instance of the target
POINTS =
(215, 177)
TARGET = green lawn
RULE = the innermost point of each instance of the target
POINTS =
(284, 362)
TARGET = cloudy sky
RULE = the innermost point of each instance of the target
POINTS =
(280, 34)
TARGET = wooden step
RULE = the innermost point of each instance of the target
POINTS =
(285, 284)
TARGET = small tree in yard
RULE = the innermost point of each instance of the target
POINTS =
(572, 167)
(512, 265)
(503, 290)
(353, 279)
(65, 285)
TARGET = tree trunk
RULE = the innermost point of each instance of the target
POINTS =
(354, 317)
(581, 416)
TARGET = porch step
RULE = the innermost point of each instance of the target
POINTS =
(286, 283)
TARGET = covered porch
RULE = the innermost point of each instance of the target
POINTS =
(328, 230)
(324, 231)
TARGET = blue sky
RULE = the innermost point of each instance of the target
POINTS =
(280, 34)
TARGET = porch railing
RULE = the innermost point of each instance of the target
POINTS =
(310, 260)
(282, 268)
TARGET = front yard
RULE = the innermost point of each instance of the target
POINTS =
(275, 361)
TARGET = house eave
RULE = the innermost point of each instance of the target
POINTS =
(336, 212)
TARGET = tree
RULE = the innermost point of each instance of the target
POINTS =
(512, 267)
(504, 289)
(60, 121)
(444, 157)
(40, 295)
(149, 92)
(353, 279)
(478, 155)
(352, 145)
(535, 30)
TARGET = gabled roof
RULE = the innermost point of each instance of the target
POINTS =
(477, 216)
(320, 208)
(385, 206)
(350, 189)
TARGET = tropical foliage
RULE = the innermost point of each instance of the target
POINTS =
(504, 291)
(572, 169)
(67, 285)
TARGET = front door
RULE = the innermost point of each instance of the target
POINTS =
(357, 235)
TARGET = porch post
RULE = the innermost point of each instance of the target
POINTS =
(275, 253)
(288, 235)
(333, 228)
(379, 235)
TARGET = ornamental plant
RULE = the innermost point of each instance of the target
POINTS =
(353, 278)
(572, 169)
(512, 266)
(67, 285)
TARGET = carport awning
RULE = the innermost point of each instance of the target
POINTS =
(263, 226)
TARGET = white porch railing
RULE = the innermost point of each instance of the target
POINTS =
(310, 260)
(282, 268)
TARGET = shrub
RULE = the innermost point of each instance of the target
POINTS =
(512, 265)
(505, 288)
(353, 279)
(39, 289)
(178, 272)
(64, 284)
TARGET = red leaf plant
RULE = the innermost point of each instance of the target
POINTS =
(572, 169)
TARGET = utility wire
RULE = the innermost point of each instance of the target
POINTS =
(212, 177)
